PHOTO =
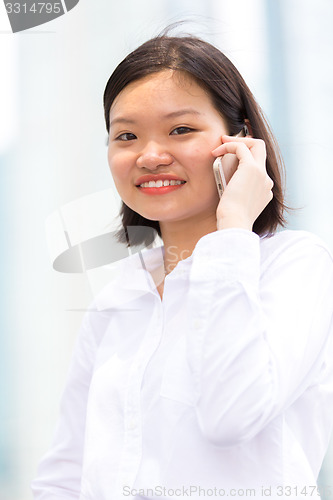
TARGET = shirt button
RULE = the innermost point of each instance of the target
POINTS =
(197, 324)
(132, 424)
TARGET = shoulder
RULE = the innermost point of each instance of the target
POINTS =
(110, 295)
(291, 244)
(121, 286)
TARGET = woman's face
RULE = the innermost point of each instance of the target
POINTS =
(165, 126)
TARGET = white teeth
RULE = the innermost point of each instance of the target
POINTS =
(161, 183)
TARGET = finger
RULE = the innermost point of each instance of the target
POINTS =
(256, 146)
(228, 138)
(246, 150)
(239, 149)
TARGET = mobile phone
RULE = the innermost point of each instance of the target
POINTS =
(218, 168)
(219, 175)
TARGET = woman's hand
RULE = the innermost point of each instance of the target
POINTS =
(249, 189)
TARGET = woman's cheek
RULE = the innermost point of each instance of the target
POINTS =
(192, 154)
(119, 164)
(202, 150)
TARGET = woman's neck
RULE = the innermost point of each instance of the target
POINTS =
(180, 238)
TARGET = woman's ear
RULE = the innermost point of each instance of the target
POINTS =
(247, 128)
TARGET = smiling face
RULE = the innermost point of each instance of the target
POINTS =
(164, 127)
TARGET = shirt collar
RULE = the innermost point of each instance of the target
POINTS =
(137, 268)
(134, 280)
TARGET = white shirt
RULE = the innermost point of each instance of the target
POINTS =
(226, 383)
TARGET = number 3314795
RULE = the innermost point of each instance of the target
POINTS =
(35, 8)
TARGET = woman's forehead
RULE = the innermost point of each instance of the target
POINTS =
(162, 86)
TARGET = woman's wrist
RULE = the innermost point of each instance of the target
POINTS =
(233, 222)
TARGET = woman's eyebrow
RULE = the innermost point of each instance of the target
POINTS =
(180, 112)
(173, 114)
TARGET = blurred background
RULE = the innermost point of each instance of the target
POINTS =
(55, 177)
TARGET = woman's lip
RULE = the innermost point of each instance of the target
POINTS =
(160, 176)
(160, 190)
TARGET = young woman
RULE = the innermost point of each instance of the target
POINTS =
(205, 368)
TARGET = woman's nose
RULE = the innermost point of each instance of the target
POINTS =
(153, 156)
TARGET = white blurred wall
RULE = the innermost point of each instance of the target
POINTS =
(54, 153)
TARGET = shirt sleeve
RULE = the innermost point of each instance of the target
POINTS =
(258, 331)
(59, 472)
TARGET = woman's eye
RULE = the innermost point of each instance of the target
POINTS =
(127, 136)
(181, 130)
